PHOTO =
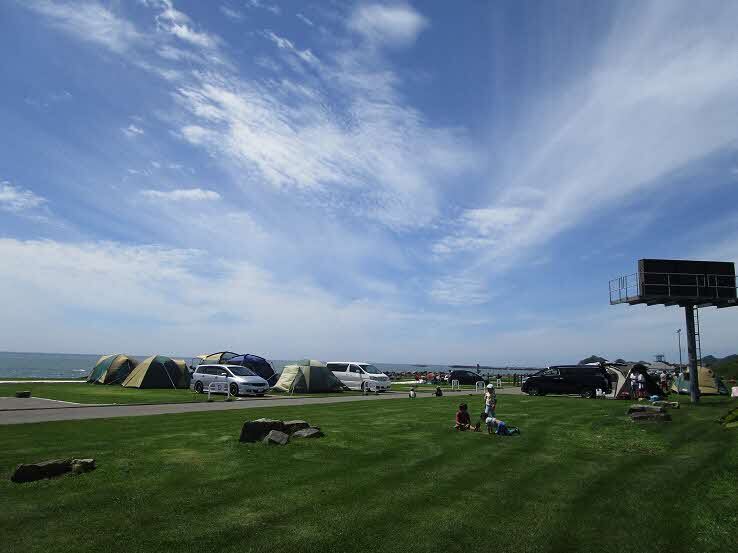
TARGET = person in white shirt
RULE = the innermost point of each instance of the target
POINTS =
(490, 401)
(641, 385)
(633, 384)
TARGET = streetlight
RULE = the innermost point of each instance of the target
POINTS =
(679, 337)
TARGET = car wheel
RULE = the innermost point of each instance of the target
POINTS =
(534, 391)
(588, 394)
(198, 387)
(234, 390)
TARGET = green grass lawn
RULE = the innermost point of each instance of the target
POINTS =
(93, 393)
(389, 476)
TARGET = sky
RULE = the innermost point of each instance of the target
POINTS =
(420, 182)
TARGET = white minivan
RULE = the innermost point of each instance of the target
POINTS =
(360, 376)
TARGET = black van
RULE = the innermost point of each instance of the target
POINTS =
(465, 377)
(568, 379)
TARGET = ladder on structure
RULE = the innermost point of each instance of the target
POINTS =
(698, 343)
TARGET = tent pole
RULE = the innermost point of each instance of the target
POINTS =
(694, 387)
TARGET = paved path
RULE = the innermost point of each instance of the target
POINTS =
(82, 412)
(13, 403)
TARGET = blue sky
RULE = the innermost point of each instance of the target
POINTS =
(392, 181)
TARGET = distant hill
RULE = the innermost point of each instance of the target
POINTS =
(593, 359)
(712, 361)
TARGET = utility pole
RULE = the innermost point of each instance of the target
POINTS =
(679, 338)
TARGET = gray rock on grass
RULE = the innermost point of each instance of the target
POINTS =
(255, 431)
(293, 426)
(31, 472)
(637, 408)
(308, 433)
(275, 437)
(644, 416)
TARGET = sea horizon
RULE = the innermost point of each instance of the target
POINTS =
(21, 364)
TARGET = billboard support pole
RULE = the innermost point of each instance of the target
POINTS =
(694, 387)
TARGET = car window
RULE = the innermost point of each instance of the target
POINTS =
(338, 367)
(550, 372)
(355, 369)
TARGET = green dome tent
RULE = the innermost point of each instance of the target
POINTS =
(112, 369)
(709, 382)
(158, 372)
(308, 376)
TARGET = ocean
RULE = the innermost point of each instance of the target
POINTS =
(73, 365)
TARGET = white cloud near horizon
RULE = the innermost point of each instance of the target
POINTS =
(182, 194)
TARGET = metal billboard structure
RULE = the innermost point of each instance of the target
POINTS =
(688, 284)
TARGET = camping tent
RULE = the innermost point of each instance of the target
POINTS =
(709, 382)
(217, 358)
(112, 369)
(158, 372)
(259, 365)
(308, 376)
(621, 382)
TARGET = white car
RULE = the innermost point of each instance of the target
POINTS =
(238, 380)
(360, 376)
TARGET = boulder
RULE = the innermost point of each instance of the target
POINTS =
(293, 426)
(255, 431)
(24, 393)
(277, 438)
(645, 416)
(82, 465)
(308, 433)
(38, 471)
(671, 404)
(645, 409)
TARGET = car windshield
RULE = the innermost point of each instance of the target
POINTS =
(371, 369)
(241, 371)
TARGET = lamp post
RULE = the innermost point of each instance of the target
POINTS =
(679, 338)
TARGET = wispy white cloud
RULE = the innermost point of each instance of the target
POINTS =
(182, 194)
(132, 131)
(89, 21)
(305, 20)
(230, 13)
(387, 24)
(480, 228)
(459, 291)
(653, 102)
(284, 44)
(262, 5)
(16, 199)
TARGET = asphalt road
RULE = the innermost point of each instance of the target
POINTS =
(24, 415)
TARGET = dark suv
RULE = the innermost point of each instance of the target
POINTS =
(568, 379)
(465, 377)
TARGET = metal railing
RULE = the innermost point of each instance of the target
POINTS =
(673, 285)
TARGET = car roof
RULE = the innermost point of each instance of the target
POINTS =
(348, 362)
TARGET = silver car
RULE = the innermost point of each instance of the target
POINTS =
(223, 378)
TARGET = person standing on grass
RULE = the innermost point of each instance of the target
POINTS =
(664, 381)
(490, 401)
(633, 384)
(641, 385)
